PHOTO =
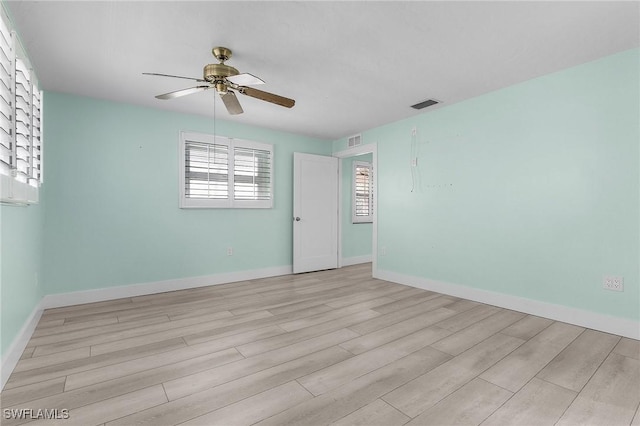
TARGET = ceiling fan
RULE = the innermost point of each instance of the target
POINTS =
(223, 78)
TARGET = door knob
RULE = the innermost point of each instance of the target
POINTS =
(297, 219)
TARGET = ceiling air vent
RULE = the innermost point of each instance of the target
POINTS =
(425, 104)
(355, 140)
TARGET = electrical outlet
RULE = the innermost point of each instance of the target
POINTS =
(613, 283)
(229, 251)
(414, 131)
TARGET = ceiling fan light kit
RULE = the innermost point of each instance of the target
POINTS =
(223, 78)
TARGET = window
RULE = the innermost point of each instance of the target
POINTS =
(20, 122)
(362, 200)
(219, 172)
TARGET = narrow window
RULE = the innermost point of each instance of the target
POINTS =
(362, 200)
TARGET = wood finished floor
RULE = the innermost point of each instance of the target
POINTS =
(331, 347)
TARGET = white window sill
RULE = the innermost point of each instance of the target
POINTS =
(15, 192)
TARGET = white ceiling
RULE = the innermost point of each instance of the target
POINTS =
(350, 66)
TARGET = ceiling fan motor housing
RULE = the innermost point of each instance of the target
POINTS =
(216, 72)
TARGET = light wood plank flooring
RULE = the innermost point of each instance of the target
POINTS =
(331, 347)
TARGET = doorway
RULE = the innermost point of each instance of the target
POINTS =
(348, 253)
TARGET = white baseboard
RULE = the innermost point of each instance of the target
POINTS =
(111, 293)
(356, 260)
(13, 354)
(593, 320)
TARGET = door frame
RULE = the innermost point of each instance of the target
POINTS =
(371, 148)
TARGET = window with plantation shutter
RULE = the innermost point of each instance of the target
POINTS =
(362, 200)
(218, 172)
(20, 122)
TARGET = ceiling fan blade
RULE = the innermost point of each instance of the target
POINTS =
(183, 92)
(173, 76)
(231, 102)
(245, 79)
(269, 97)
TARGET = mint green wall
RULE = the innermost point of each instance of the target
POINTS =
(112, 214)
(20, 267)
(356, 237)
(21, 248)
(530, 191)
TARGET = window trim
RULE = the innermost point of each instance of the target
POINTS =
(355, 218)
(230, 202)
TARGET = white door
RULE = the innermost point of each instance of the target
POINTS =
(315, 212)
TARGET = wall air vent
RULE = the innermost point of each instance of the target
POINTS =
(354, 140)
(425, 104)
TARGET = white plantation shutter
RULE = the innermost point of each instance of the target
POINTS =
(20, 122)
(36, 135)
(6, 126)
(362, 201)
(28, 123)
(252, 174)
(206, 171)
(224, 172)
